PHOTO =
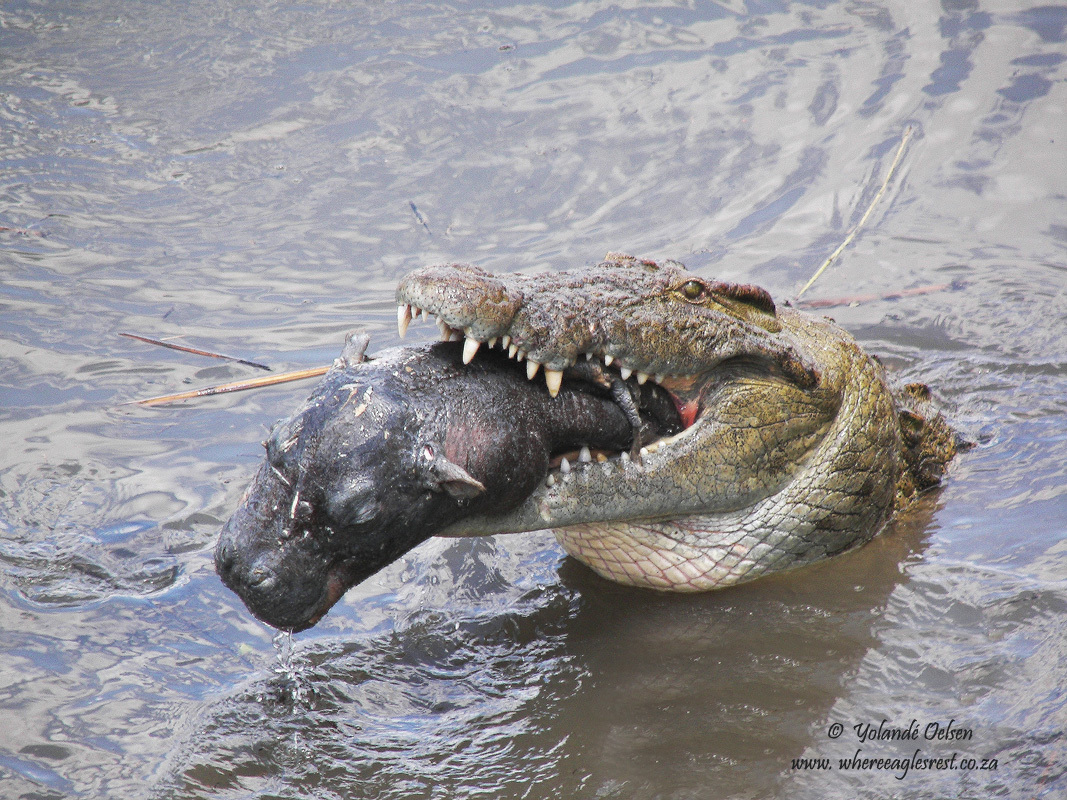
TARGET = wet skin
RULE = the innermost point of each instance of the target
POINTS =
(795, 446)
(389, 451)
(710, 437)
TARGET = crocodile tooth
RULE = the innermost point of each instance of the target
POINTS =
(625, 457)
(584, 455)
(564, 466)
(531, 368)
(492, 342)
(521, 356)
(446, 332)
(553, 377)
(626, 372)
(512, 350)
(642, 377)
(660, 377)
(551, 479)
(608, 359)
(644, 451)
(505, 343)
(589, 355)
(454, 335)
(403, 318)
(470, 347)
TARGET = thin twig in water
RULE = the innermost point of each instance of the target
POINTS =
(419, 217)
(867, 298)
(863, 219)
(236, 386)
(21, 231)
(194, 351)
(29, 229)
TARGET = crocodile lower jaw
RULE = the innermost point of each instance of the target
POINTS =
(563, 466)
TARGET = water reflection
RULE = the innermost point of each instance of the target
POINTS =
(581, 688)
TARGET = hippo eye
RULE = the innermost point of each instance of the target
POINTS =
(354, 502)
(693, 290)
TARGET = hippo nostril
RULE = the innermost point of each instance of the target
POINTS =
(261, 578)
(224, 559)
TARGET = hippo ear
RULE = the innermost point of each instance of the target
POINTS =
(452, 478)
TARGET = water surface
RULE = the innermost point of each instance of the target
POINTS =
(246, 179)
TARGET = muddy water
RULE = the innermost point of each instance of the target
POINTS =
(248, 179)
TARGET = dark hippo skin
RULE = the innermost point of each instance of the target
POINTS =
(388, 451)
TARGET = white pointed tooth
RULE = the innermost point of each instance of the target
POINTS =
(553, 377)
(551, 479)
(505, 343)
(512, 350)
(660, 377)
(589, 355)
(644, 451)
(446, 332)
(454, 335)
(521, 356)
(531, 368)
(607, 360)
(492, 342)
(564, 466)
(470, 348)
(584, 455)
(403, 318)
(642, 377)
(625, 457)
(626, 372)
(425, 314)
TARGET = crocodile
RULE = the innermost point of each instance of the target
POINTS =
(793, 446)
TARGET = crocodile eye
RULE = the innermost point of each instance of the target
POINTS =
(693, 290)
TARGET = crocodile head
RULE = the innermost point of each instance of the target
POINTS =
(791, 449)
(642, 317)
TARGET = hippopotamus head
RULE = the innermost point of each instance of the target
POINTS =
(385, 453)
